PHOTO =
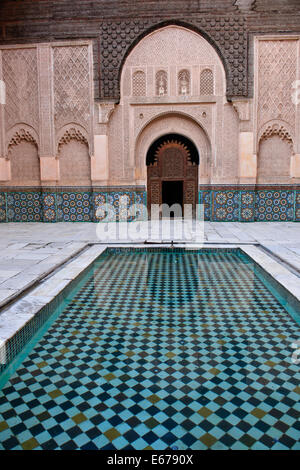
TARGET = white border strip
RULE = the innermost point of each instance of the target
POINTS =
(15, 317)
(280, 273)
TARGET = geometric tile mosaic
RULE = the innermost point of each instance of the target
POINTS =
(78, 205)
(247, 206)
(225, 206)
(205, 197)
(297, 206)
(275, 206)
(74, 206)
(160, 350)
(120, 201)
(2, 207)
(23, 206)
(49, 205)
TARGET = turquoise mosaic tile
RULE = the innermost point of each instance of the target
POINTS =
(113, 198)
(297, 206)
(159, 350)
(23, 206)
(2, 207)
(120, 201)
(247, 206)
(222, 205)
(205, 199)
(99, 202)
(49, 206)
(141, 203)
(74, 206)
(274, 206)
(225, 206)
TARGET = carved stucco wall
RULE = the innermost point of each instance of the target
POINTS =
(273, 149)
(228, 33)
(169, 123)
(74, 163)
(49, 98)
(277, 70)
(172, 49)
(71, 86)
(277, 116)
(229, 166)
(48, 91)
(19, 71)
(25, 167)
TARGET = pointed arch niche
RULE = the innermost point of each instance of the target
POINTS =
(274, 154)
(74, 158)
(168, 62)
(24, 159)
(172, 123)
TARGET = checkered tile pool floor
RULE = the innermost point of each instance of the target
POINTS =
(160, 350)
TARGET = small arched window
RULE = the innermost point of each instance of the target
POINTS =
(161, 83)
(139, 83)
(184, 82)
(206, 82)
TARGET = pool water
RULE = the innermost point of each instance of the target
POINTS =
(159, 350)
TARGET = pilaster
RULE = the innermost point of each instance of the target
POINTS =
(49, 169)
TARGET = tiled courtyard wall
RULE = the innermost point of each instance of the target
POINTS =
(81, 205)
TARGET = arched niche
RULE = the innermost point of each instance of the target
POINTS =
(172, 123)
(181, 53)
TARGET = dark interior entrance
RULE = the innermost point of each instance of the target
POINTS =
(172, 193)
(172, 173)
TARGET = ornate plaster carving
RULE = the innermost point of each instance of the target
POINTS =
(184, 81)
(72, 134)
(117, 39)
(277, 71)
(277, 129)
(207, 82)
(71, 85)
(245, 5)
(242, 108)
(20, 75)
(21, 135)
(161, 83)
(139, 83)
(167, 124)
(105, 112)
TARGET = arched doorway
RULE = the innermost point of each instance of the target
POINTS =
(172, 172)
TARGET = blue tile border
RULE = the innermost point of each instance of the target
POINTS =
(221, 204)
(2, 207)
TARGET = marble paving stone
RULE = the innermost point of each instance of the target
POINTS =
(31, 256)
(6, 293)
(19, 282)
(7, 273)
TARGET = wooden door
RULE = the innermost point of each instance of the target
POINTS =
(172, 162)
